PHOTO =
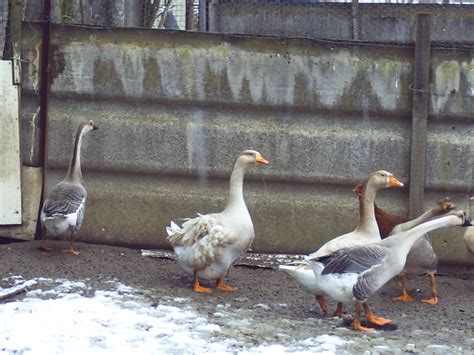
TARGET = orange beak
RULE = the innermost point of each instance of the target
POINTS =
(393, 182)
(261, 160)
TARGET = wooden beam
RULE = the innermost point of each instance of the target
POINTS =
(421, 97)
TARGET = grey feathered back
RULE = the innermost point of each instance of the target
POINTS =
(66, 198)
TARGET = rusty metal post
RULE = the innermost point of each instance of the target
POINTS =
(421, 98)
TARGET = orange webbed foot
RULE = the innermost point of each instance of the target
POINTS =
(200, 289)
(372, 318)
(404, 297)
(340, 313)
(44, 248)
(360, 328)
(432, 300)
(221, 285)
(71, 251)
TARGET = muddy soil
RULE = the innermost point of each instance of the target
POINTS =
(279, 309)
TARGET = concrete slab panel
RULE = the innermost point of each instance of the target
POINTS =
(10, 163)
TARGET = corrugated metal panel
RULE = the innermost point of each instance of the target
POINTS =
(10, 178)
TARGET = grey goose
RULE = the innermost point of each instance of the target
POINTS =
(366, 232)
(355, 273)
(63, 209)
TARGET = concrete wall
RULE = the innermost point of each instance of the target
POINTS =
(174, 110)
(376, 22)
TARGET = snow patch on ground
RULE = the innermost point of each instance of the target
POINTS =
(63, 319)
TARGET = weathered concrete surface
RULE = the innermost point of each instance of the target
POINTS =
(377, 22)
(174, 110)
(30, 127)
(32, 186)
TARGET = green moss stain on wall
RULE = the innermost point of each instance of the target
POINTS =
(106, 78)
(152, 80)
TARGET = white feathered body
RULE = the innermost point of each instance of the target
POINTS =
(210, 244)
(304, 273)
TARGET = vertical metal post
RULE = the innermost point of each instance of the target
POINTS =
(421, 98)
(190, 15)
(355, 20)
(133, 13)
(44, 81)
(213, 8)
(202, 15)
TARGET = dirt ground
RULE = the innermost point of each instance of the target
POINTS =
(279, 309)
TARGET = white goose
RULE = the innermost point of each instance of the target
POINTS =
(206, 246)
(422, 257)
(354, 274)
(366, 232)
(63, 210)
(469, 236)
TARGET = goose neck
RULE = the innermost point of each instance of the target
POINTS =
(74, 173)
(236, 195)
(405, 240)
(367, 221)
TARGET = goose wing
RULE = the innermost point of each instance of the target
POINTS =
(357, 259)
(204, 228)
(64, 199)
(204, 236)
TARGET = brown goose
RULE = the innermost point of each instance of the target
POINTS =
(63, 210)
(206, 246)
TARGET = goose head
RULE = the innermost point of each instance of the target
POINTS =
(381, 179)
(251, 157)
(358, 190)
(461, 219)
(444, 206)
(87, 126)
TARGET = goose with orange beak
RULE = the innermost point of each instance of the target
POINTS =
(366, 232)
(206, 246)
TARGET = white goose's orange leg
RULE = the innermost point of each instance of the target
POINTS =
(322, 303)
(221, 285)
(43, 245)
(434, 292)
(372, 318)
(339, 312)
(71, 249)
(405, 296)
(198, 288)
(356, 323)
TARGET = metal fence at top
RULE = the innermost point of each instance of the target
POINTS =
(365, 20)
(157, 14)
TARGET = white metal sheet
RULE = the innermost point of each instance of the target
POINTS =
(10, 178)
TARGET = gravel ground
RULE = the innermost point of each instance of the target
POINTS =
(269, 306)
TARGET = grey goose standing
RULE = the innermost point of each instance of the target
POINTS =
(63, 210)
